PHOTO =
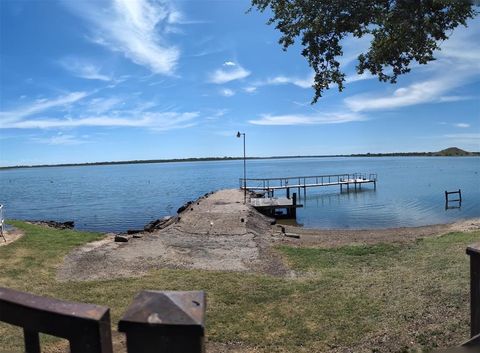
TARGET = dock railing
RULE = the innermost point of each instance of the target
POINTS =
(304, 182)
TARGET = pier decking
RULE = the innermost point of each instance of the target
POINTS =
(273, 207)
(270, 185)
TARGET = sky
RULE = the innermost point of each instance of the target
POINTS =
(110, 80)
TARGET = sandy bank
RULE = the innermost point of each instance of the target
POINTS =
(340, 237)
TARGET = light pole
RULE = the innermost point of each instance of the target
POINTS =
(239, 134)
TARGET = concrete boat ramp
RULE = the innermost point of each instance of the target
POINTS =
(216, 232)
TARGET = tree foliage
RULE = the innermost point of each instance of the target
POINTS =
(403, 32)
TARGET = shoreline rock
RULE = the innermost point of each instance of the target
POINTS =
(55, 224)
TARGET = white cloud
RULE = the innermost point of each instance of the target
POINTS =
(216, 114)
(39, 106)
(229, 63)
(135, 28)
(59, 139)
(462, 125)
(227, 92)
(356, 77)
(416, 93)
(160, 121)
(305, 82)
(250, 89)
(313, 119)
(446, 99)
(300, 82)
(84, 69)
(472, 140)
(458, 64)
(230, 73)
(96, 112)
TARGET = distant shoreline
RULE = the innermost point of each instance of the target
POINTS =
(443, 153)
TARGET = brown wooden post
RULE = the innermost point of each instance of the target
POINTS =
(172, 322)
(474, 253)
(32, 341)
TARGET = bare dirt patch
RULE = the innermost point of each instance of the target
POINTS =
(216, 232)
(11, 235)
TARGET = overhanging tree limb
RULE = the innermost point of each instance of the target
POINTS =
(403, 32)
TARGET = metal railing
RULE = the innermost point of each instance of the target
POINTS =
(305, 181)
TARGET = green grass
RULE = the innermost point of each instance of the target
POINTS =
(379, 298)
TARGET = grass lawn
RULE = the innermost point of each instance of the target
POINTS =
(380, 298)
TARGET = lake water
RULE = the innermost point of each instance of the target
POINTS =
(410, 191)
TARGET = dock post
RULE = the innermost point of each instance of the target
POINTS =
(341, 188)
(288, 193)
(460, 195)
(375, 185)
(294, 202)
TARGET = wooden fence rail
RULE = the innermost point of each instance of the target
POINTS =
(85, 326)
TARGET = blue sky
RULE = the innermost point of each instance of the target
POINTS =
(84, 81)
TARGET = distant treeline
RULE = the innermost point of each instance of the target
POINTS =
(453, 151)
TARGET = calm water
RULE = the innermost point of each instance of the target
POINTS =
(410, 191)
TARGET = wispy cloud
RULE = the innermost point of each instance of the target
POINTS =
(60, 139)
(228, 73)
(84, 69)
(39, 106)
(250, 89)
(416, 93)
(306, 82)
(95, 112)
(458, 64)
(462, 125)
(472, 139)
(227, 92)
(136, 28)
(312, 119)
(102, 105)
(152, 120)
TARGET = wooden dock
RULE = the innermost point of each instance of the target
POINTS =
(277, 207)
(270, 185)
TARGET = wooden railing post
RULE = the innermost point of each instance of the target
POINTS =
(474, 253)
(172, 322)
